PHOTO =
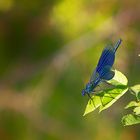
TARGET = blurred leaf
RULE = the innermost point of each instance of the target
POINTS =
(136, 91)
(118, 79)
(134, 118)
(5, 5)
(132, 104)
(137, 110)
(130, 119)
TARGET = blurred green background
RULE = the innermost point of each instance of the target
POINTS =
(48, 49)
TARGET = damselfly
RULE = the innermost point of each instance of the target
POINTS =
(103, 72)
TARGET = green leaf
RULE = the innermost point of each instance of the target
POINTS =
(104, 99)
(132, 104)
(130, 119)
(137, 110)
(92, 104)
(111, 97)
(118, 79)
(136, 91)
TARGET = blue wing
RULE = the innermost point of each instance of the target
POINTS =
(94, 76)
(117, 45)
(106, 73)
(103, 69)
(107, 58)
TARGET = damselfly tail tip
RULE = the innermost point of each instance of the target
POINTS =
(117, 44)
(119, 41)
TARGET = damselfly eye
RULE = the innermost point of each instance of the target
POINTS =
(83, 92)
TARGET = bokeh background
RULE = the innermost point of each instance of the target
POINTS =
(48, 50)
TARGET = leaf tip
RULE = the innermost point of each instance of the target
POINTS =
(84, 114)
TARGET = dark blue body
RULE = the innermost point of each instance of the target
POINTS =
(103, 70)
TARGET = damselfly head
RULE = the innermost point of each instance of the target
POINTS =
(83, 92)
(87, 90)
